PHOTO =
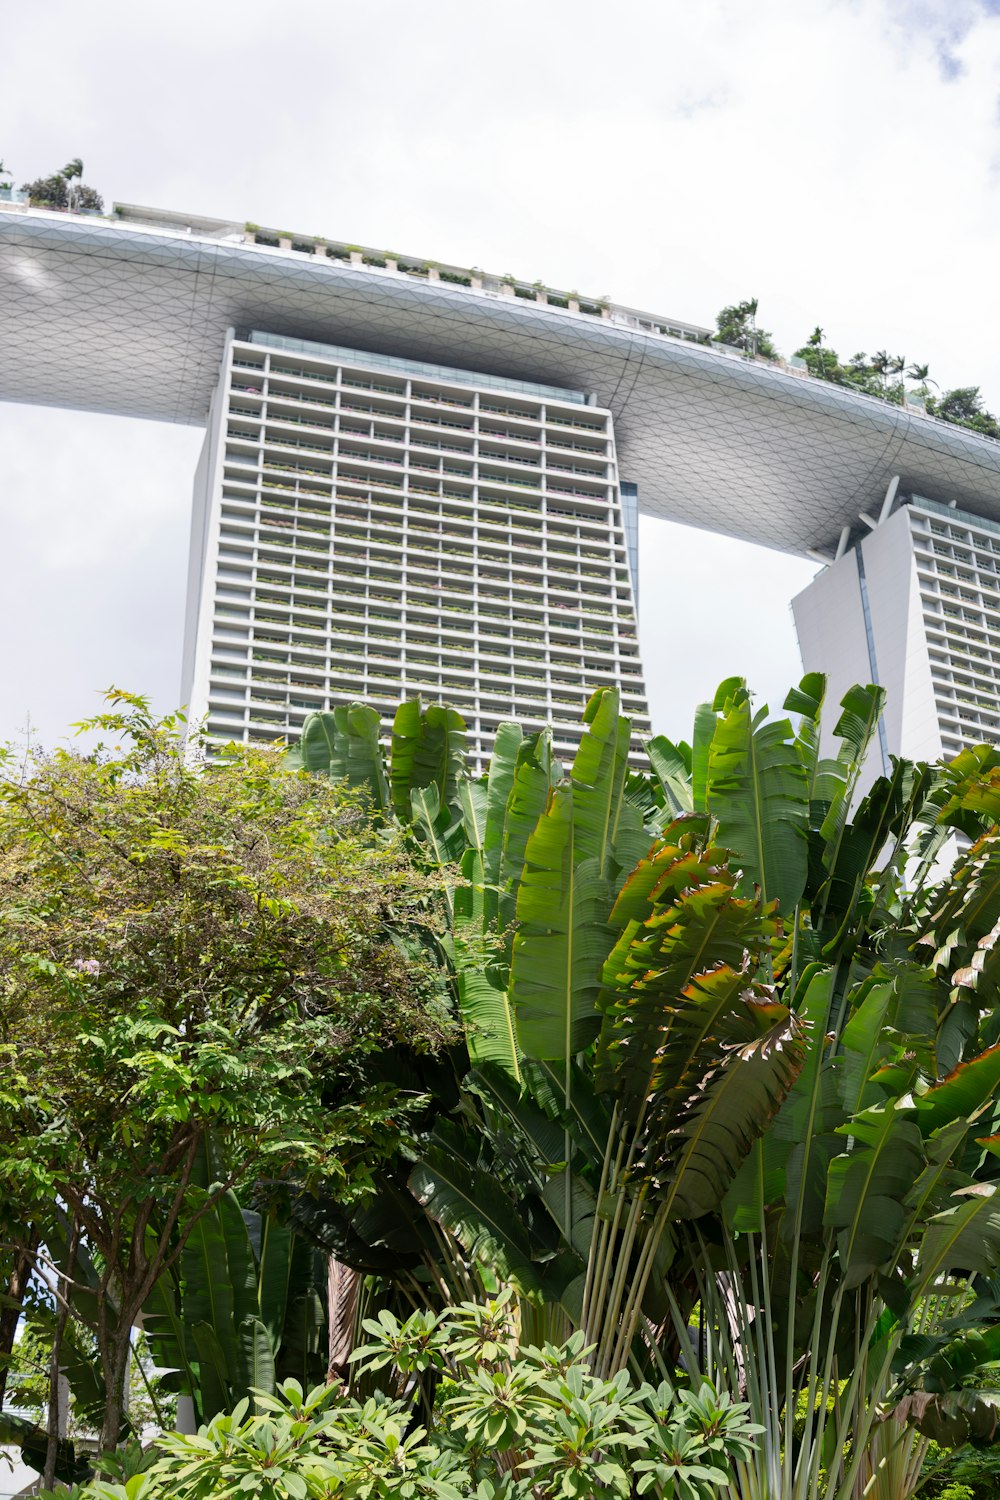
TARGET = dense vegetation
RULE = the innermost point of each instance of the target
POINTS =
(888, 377)
(64, 189)
(717, 1129)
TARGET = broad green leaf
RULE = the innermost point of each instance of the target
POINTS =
(499, 791)
(672, 768)
(963, 1093)
(257, 1356)
(562, 938)
(274, 1268)
(726, 1117)
(758, 793)
(861, 709)
(806, 700)
(598, 779)
(475, 1208)
(675, 978)
(526, 803)
(868, 1185)
(965, 1236)
(428, 750)
(344, 743)
(701, 740)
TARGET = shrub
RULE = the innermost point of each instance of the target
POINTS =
(503, 1421)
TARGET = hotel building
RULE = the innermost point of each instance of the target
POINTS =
(367, 526)
(426, 478)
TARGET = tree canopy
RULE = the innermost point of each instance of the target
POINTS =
(192, 960)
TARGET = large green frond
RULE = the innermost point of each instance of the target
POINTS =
(725, 1117)
(344, 743)
(562, 938)
(428, 750)
(757, 791)
(868, 1186)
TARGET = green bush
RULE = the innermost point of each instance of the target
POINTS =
(463, 1412)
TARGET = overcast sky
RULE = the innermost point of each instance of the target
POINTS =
(837, 159)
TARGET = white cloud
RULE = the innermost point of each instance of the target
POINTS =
(835, 158)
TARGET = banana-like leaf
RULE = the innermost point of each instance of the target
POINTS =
(562, 937)
(256, 1357)
(211, 1290)
(344, 743)
(504, 761)
(273, 1273)
(443, 834)
(806, 700)
(701, 742)
(674, 981)
(475, 1208)
(529, 794)
(472, 796)
(214, 1371)
(481, 978)
(791, 1165)
(868, 1186)
(547, 1155)
(303, 1351)
(583, 1114)
(861, 710)
(240, 1262)
(757, 791)
(725, 1117)
(890, 808)
(962, 1094)
(964, 1236)
(598, 781)
(865, 1042)
(672, 768)
(428, 749)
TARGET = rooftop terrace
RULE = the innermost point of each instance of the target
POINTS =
(128, 313)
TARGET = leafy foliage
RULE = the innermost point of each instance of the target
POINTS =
(187, 956)
(506, 1421)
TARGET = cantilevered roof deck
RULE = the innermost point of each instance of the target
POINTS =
(129, 314)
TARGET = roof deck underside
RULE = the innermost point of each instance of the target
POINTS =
(102, 318)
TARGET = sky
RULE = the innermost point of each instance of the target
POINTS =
(837, 159)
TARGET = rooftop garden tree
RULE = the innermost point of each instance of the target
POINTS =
(64, 189)
(737, 326)
(964, 407)
(193, 964)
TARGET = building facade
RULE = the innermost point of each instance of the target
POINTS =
(913, 604)
(497, 569)
(369, 527)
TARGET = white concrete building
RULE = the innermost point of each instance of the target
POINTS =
(415, 485)
(913, 603)
(370, 527)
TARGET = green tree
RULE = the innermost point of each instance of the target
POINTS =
(820, 361)
(48, 192)
(64, 190)
(964, 407)
(186, 957)
(737, 326)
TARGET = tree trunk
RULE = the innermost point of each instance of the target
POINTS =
(10, 1310)
(343, 1287)
(55, 1423)
(115, 1368)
